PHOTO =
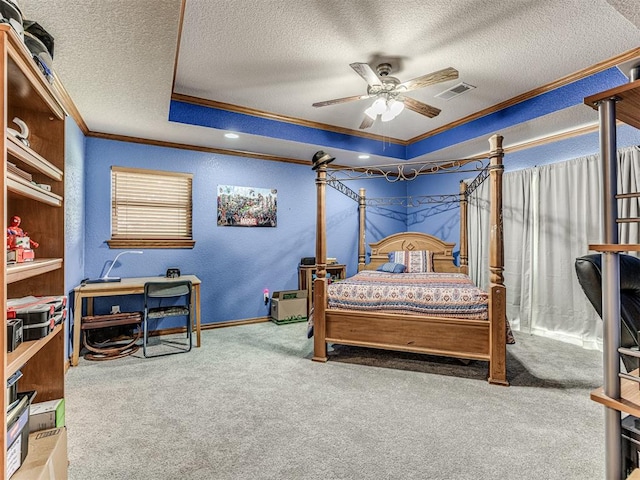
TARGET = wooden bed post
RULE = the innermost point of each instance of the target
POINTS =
(362, 206)
(320, 282)
(497, 291)
(464, 249)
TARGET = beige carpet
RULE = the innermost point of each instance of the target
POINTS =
(250, 404)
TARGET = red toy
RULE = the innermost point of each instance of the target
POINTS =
(14, 232)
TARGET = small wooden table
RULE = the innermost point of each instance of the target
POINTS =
(336, 271)
(127, 286)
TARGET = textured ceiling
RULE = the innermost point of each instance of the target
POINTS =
(628, 8)
(117, 59)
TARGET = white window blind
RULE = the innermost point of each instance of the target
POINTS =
(150, 208)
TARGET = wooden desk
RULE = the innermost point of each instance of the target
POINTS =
(127, 286)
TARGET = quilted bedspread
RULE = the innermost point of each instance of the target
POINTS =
(437, 294)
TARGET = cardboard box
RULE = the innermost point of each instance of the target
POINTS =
(289, 306)
(46, 415)
(47, 459)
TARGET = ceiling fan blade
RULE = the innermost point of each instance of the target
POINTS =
(421, 108)
(366, 72)
(429, 79)
(367, 122)
(340, 100)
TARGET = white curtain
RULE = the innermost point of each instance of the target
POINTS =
(478, 235)
(629, 181)
(551, 214)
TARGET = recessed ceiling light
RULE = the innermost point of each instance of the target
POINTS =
(232, 135)
(363, 157)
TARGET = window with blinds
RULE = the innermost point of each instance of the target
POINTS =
(150, 209)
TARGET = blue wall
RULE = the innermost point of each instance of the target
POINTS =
(436, 219)
(554, 100)
(235, 264)
(74, 205)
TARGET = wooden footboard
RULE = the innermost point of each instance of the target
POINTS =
(410, 333)
(452, 337)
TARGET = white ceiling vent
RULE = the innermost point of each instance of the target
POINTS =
(459, 89)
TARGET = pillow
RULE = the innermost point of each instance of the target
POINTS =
(416, 261)
(392, 267)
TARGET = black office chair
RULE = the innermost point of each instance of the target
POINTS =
(589, 271)
(167, 299)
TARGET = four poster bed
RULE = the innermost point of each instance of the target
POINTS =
(407, 311)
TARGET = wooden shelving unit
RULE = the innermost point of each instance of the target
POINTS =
(627, 102)
(24, 188)
(635, 475)
(33, 190)
(629, 401)
(619, 395)
(22, 271)
(30, 161)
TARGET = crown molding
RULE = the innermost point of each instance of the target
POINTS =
(598, 67)
(198, 148)
(203, 102)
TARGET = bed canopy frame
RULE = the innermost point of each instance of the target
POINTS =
(455, 337)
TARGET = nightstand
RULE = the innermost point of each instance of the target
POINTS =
(305, 279)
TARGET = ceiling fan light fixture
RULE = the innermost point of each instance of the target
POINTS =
(395, 106)
(387, 116)
(370, 113)
(379, 106)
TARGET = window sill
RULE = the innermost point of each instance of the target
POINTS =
(146, 243)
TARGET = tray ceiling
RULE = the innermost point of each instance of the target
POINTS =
(270, 60)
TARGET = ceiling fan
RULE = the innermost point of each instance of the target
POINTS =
(390, 92)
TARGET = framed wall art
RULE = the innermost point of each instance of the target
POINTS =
(247, 206)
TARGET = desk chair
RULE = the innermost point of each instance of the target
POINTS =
(167, 299)
(589, 272)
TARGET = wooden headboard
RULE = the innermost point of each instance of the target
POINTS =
(442, 251)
